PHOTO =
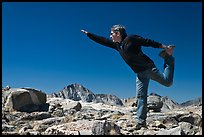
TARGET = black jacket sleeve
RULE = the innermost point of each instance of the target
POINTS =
(102, 40)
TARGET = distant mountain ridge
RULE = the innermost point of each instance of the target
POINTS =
(77, 92)
(197, 102)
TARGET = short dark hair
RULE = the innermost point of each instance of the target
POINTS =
(121, 29)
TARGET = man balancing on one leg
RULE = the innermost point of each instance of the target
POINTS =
(129, 47)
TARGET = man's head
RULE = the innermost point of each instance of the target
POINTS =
(118, 33)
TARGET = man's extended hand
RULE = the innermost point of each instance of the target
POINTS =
(167, 46)
(85, 32)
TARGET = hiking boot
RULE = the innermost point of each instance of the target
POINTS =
(167, 52)
(140, 125)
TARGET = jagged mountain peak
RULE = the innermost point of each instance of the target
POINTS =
(77, 88)
(78, 92)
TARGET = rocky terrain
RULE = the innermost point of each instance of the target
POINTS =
(76, 110)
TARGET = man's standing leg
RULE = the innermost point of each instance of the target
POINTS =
(142, 82)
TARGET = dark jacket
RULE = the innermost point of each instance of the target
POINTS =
(130, 50)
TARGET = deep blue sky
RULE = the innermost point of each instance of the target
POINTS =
(43, 47)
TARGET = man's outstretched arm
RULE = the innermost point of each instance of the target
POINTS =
(101, 40)
(152, 43)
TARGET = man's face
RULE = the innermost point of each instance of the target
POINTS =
(115, 36)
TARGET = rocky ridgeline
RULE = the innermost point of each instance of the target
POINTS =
(27, 111)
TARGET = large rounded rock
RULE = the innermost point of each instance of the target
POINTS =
(25, 100)
(154, 102)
